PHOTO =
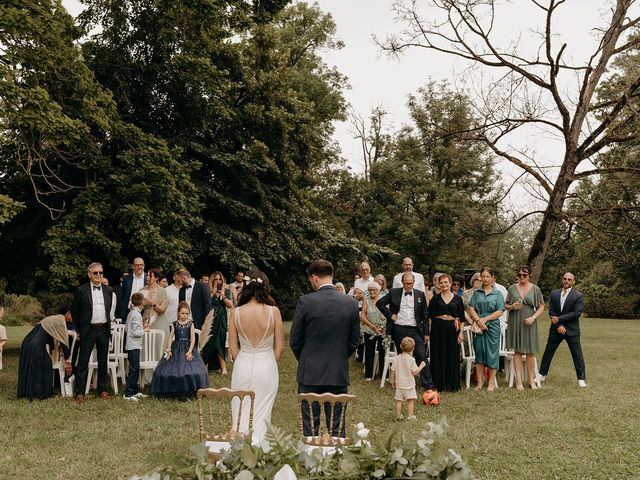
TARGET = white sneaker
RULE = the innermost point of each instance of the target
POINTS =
(582, 383)
(140, 395)
(131, 398)
(540, 378)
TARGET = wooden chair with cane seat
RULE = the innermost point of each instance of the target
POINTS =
(220, 430)
(332, 410)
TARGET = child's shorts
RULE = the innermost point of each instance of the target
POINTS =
(406, 393)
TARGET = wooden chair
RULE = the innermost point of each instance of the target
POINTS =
(220, 432)
(334, 411)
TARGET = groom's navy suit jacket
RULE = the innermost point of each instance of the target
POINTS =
(568, 316)
(324, 334)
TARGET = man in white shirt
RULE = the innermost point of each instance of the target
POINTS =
(172, 292)
(132, 284)
(503, 292)
(366, 278)
(407, 266)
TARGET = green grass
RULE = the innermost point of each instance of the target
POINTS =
(558, 432)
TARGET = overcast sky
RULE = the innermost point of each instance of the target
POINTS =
(376, 79)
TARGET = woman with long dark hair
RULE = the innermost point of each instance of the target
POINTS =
(256, 343)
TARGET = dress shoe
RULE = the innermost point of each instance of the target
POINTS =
(540, 378)
(79, 399)
(582, 383)
(105, 396)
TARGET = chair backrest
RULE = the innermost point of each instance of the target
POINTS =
(220, 427)
(152, 346)
(117, 338)
(333, 410)
(503, 339)
(467, 345)
(74, 337)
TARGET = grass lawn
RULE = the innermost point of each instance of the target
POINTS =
(558, 432)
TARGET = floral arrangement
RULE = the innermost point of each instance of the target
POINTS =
(286, 457)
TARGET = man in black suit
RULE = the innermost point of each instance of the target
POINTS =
(131, 284)
(565, 308)
(324, 334)
(91, 312)
(195, 294)
(407, 315)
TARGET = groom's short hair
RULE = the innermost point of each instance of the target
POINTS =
(321, 268)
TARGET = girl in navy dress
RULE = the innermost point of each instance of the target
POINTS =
(181, 372)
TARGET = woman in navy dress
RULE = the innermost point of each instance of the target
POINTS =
(446, 313)
(181, 372)
(35, 374)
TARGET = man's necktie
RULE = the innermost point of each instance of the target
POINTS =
(96, 288)
(182, 294)
(408, 293)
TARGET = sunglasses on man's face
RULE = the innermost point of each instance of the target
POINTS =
(97, 273)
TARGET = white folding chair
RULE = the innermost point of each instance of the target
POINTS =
(390, 355)
(506, 354)
(119, 355)
(112, 363)
(59, 365)
(468, 353)
(151, 353)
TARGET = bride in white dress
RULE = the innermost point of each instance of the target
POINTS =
(256, 325)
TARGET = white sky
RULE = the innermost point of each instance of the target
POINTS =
(376, 79)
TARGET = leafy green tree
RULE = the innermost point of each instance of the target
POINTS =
(94, 186)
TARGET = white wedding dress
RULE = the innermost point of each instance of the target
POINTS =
(255, 369)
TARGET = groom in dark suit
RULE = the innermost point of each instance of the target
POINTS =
(324, 334)
(565, 308)
(407, 315)
(91, 312)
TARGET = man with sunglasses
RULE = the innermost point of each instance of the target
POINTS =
(565, 308)
(91, 313)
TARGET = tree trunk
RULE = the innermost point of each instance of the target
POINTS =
(550, 220)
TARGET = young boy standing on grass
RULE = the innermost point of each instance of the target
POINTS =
(135, 332)
(403, 371)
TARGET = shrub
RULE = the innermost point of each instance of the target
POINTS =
(54, 303)
(400, 458)
(22, 310)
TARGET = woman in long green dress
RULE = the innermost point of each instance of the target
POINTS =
(525, 304)
(214, 352)
(485, 307)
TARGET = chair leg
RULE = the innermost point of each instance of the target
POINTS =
(114, 378)
(61, 375)
(89, 380)
(385, 370)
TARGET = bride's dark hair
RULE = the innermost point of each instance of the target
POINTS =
(256, 287)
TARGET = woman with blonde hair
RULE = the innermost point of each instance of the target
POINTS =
(214, 352)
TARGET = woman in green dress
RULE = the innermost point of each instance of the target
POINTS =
(525, 304)
(214, 352)
(485, 307)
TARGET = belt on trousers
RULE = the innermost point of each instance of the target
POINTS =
(99, 325)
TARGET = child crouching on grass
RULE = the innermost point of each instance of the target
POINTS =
(403, 371)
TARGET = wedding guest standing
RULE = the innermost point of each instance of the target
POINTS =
(130, 285)
(214, 352)
(476, 283)
(407, 316)
(525, 304)
(485, 307)
(155, 303)
(446, 313)
(340, 287)
(90, 310)
(565, 308)
(407, 266)
(173, 291)
(35, 377)
(197, 295)
(380, 280)
(372, 323)
(365, 279)
(3, 335)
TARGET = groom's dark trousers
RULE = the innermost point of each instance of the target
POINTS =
(324, 334)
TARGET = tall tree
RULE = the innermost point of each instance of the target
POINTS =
(94, 187)
(530, 90)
